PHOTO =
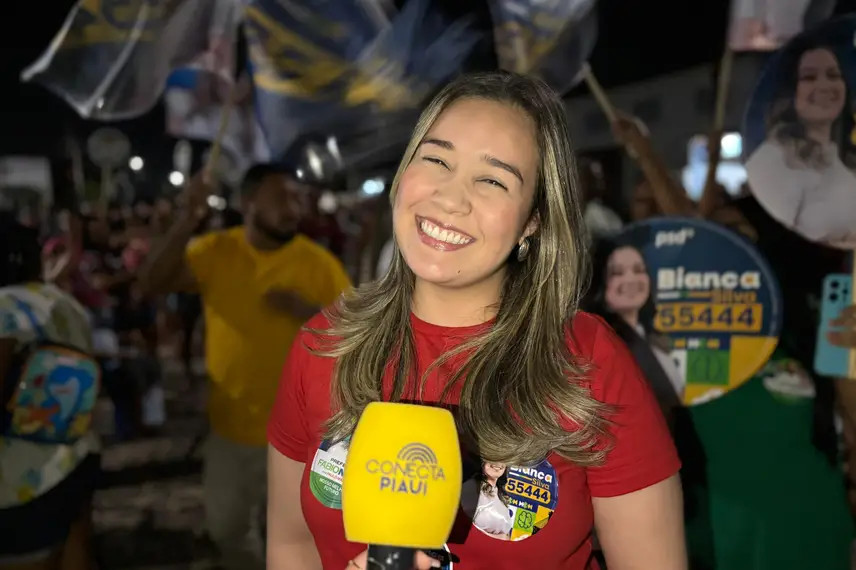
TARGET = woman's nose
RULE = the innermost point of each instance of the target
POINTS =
(826, 83)
(452, 197)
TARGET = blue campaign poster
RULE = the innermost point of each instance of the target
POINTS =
(710, 293)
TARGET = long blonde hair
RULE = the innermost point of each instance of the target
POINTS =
(520, 384)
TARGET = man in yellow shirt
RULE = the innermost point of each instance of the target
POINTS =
(259, 283)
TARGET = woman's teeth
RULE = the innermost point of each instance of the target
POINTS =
(440, 234)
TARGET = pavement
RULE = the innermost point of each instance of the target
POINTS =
(148, 513)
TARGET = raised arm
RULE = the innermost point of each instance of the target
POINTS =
(166, 268)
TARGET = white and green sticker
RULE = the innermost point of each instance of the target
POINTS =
(787, 381)
(326, 473)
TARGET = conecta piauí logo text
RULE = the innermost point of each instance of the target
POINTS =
(409, 472)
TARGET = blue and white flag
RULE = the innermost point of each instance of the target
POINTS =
(551, 39)
(111, 59)
(195, 103)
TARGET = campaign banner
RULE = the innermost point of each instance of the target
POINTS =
(111, 59)
(551, 40)
(765, 25)
(195, 102)
(707, 291)
(800, 135)
(338, 77)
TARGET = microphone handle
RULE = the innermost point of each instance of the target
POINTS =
(390, 558)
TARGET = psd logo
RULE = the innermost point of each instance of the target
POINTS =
(680, 237)
(410, 472)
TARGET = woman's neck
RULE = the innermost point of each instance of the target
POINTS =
(819, 132)
(457, 307)
(630, 317)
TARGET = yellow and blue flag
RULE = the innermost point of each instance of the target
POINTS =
(347, 68)
(111, 59)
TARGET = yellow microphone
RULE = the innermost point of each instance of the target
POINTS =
(402, 483)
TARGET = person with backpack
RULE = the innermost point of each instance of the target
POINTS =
(49, 381)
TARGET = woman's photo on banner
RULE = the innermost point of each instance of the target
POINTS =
(625, 300)
(799, 135)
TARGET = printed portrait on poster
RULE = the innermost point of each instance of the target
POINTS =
(800, 135)
(625, 300)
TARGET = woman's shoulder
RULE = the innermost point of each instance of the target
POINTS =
(591, 338)
(611, 371)
(314, 332)
(769, 151)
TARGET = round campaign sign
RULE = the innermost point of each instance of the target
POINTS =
(510, 503)
(800, 134)
(703, 290)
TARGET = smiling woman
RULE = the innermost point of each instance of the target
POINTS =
(460, 197)
(479, 313)
(804, 171)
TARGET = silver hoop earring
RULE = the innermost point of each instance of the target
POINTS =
(523, 249)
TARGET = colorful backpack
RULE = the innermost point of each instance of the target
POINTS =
(52, 391)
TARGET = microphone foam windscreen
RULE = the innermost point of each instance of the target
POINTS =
(402, 482)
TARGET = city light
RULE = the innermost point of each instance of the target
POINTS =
(373, 187)
(731, 146)
(176, 178)
(136, 163)
(217, 202)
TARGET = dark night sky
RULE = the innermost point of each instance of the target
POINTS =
(637, 39)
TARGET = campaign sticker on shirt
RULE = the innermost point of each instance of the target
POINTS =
(708, 291)
(510, 503)
(787, 381)
(800, 134)
(326, 473)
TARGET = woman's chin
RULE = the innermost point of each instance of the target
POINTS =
(627, 308)
(438, 276)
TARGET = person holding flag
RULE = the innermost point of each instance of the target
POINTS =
(259, 283)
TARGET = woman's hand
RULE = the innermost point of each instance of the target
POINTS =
(845, 338)
(632, 133)
(420, 562)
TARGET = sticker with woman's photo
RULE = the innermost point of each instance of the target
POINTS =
(698, 297)
(326, 473)
(510, 503)
(800, 134)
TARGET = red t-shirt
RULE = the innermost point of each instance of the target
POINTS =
(559, 529)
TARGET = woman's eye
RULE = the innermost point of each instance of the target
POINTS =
(493, 182)
(435, 160)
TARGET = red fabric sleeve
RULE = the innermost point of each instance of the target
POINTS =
(287, 430)
(643, 452)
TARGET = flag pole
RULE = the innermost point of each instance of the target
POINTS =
(209, 169)
(707, 202)
(599, 94)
